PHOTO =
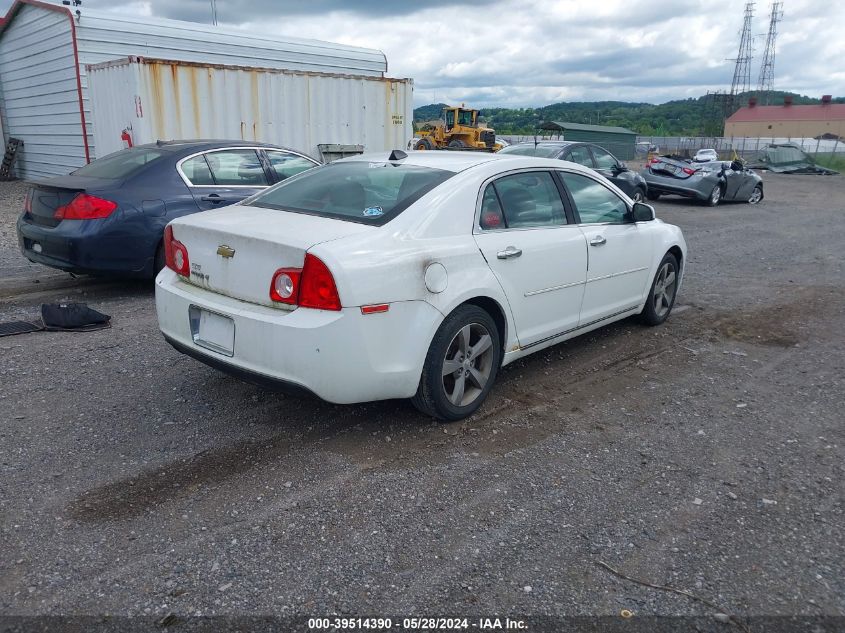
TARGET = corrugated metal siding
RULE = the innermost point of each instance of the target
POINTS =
(620, 145)
(36, 52)
(162, 99)
(40, 97)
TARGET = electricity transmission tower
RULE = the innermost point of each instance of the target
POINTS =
(742, 71)
(766, 83)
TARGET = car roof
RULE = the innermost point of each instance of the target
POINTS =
(198, 145)
(436, 159)
(457, 161)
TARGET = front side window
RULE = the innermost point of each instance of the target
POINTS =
(604, 160)
(593, 201)
(357, 191)
(465, 117)
(524, 200)
(286, 164)
(237, 167)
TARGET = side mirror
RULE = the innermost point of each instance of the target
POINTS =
(620, 167)
(642, 212)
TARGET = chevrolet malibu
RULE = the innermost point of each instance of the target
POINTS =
(413, 275)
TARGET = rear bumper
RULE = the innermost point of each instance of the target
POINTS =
(94, 247)
(342, 357)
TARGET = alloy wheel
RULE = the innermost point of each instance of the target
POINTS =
(756, 196)
(467, 364)
(715, 196)
(664, 289)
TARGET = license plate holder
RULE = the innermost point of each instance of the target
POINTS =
(212, 330)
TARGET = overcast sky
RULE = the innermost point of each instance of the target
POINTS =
(534, 52)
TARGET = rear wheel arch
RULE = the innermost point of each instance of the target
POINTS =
(491, 307)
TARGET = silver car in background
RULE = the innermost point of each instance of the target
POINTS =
(711, 182)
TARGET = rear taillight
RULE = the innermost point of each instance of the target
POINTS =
(175, 254)
(85, 207)
(312, 286)
(654, 161)
(27, 201)
(688, 171)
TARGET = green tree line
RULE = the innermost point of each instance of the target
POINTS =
(686, 117)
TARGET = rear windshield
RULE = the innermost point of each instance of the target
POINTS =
(357, 191)
(541, 151)
(121, 164)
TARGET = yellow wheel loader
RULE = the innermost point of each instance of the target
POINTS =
(457, 130)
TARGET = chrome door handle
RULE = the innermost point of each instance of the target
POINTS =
(510, 251)
(598, 240)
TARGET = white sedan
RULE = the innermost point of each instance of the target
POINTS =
(412, 275)
(705, 156)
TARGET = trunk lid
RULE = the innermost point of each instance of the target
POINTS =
(45, 196)
(666, 166)
(235, 251)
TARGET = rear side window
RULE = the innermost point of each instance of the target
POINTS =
(197, 172)
(521, 201)
(357, 191)
(121, 164)
(237, 168)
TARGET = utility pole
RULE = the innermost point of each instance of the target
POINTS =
(766, 83)
(214, 12)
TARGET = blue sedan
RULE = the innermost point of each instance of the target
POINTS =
(108, 217)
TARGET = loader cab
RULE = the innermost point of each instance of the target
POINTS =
(459, 116)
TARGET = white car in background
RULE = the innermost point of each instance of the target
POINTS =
(705, 156)
(412, 275)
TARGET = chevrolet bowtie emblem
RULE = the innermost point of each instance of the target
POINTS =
(225, 251)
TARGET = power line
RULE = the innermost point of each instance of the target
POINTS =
(766, 82)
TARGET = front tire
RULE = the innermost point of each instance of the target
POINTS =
(661, 295)
(457, 144)
(652, 195)
(461, 365)
(424, 143)
(638, 195)
(715, 196)
(756, 195)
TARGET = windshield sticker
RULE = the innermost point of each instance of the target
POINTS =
(373, 212)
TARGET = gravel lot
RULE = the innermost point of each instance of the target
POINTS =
(706, 454)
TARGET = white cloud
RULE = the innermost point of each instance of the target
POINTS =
(534, 52)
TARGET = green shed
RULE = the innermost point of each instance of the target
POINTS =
(619, 141)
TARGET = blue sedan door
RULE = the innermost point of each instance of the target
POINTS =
(218, 178)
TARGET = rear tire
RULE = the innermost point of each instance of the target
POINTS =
(661, 295)
(461, 365)
(158, 262)
(652, 195)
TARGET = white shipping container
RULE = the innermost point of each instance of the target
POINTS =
(153, 99)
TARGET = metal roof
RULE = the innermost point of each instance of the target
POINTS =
(814, 112)
(103, 36)
(581, 127)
